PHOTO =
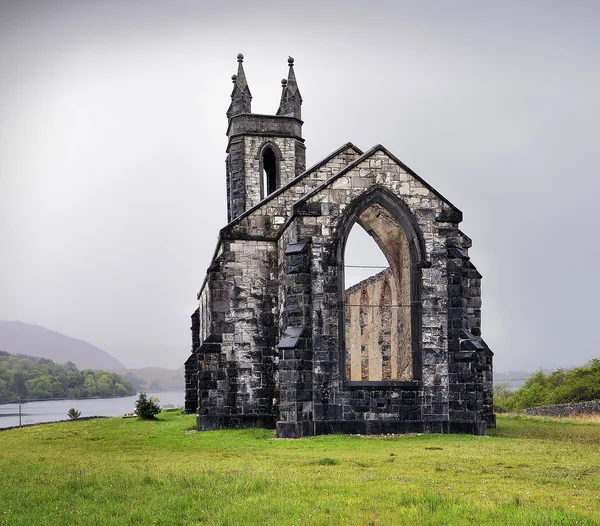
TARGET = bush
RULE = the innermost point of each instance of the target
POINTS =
(560, 387)
(146, 408)
(73, 413)
(327, 461)
(503, 398)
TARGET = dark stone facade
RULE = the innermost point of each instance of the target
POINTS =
(268, 338)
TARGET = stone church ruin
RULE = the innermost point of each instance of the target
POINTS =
(281, 340)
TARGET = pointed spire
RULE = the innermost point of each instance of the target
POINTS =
(240, 96)
(291, 100)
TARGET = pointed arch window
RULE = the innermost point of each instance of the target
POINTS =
(381, 327)
(269, 169)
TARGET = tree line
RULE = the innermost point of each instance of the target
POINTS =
(30, 377)
(559, 387)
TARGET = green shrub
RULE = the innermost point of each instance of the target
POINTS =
(503, 398)
(146, 408)
(73, 413)
(560, 387)
(327, 461)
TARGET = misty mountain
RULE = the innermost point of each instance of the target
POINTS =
(23, 338)
(155, 378)
(514, 379)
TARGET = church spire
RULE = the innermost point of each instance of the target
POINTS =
(291, 100)
(240, 96)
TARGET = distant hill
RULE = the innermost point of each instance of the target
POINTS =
(513, 379)
(23, 338)
(155, 378)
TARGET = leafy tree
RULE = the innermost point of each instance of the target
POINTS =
(89, 383)
(30, 377)
(5, 393)
(146, 408)
(18, 385)
(120, 390)
(535, 391)
(582, 384)
(70, 366)
(40, 387)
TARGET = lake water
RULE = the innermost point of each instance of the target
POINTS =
(54, 410)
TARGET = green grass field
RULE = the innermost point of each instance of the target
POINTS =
(529, 471)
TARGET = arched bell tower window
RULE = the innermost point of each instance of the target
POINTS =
(269, 169)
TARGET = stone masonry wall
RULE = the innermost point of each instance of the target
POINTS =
(379, 407)
(269, 219)
(191, 367)
(253, 175)
(236, 197)
(245, 281)
(469, 358)
(295, 347)
(565, 410)
(371, 329)
(247, 134)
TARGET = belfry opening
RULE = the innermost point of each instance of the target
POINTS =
(269, 171)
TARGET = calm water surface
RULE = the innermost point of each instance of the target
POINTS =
(54, 410)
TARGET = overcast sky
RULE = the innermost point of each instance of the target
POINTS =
(112, 149)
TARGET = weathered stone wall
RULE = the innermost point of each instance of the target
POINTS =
(470, 360)
(191, 367)
(380, 407)
(270, 218)
(253, 177)
(210, 292)
(565, 410)
(238, 353)
(248, 134)
(236, 188)
(372, 339)
(295, 362)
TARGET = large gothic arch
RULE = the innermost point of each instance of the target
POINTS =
(397, 233)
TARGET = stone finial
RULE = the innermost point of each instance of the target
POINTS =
(291, 100)
(240, 96)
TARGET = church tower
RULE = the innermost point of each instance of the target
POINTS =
(264, 152)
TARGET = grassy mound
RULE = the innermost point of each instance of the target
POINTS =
(126, 471)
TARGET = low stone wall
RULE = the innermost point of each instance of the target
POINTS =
(563, 410)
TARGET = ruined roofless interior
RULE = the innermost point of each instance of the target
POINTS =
(281, 339)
